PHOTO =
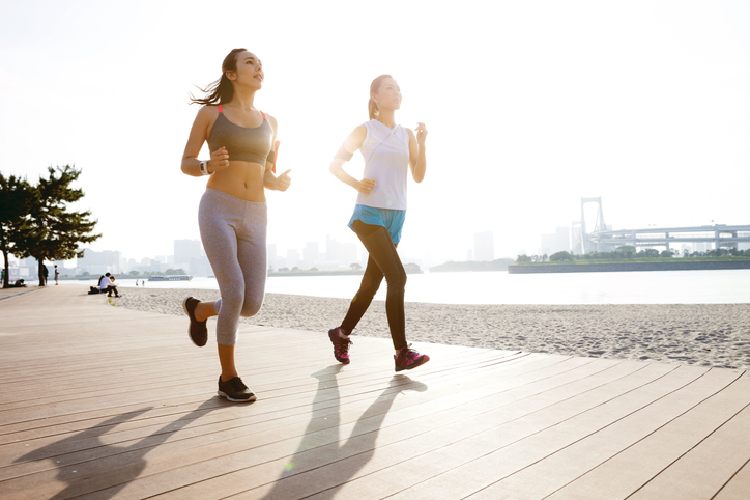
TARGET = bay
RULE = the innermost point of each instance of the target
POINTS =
(659, 287)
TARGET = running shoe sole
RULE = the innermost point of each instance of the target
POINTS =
(248, 400)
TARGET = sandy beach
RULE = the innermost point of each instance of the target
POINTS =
(703, 334)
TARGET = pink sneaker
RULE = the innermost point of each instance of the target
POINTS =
(340, 345)
(406, 359)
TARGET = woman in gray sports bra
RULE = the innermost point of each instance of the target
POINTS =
(232, 214)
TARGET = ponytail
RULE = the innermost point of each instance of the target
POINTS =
(221, 91)
(372, 108)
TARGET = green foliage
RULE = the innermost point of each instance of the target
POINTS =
(51, 232)
(16, 199)
(523, 258)
(558, 256)
(354, 266)
(412, 268)
(174, 272)
(625, 249)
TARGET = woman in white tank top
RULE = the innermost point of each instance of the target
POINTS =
(390, 152)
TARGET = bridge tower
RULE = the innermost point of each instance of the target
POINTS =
(585, 241)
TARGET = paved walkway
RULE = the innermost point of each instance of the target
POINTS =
(101, 402)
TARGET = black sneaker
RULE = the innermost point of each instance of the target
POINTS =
(235, 390)
(197, 329)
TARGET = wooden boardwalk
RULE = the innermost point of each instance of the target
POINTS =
(101, 402)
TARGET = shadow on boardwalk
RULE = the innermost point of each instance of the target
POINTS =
(100, 470)
(321, 444)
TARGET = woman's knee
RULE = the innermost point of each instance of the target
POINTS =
(251, 306)
(396, 278)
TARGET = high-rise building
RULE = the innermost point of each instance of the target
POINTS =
(556, 242)
(187, 254)
(99, 262)
(484, 246)
(311, 253)
(185, 250)
(332, 248)
(292, 258)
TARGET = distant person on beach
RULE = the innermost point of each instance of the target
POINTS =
(57, 275)
(232, 215)
(390, 152)
(107, 284)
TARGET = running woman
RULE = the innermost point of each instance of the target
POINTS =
(232, 214)
(389, 151)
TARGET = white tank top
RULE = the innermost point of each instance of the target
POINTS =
(386, 155)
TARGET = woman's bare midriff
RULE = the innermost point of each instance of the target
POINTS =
(241, 179)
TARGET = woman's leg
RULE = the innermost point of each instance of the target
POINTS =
(251, 255)
(218, 219)
(363, 298)
(383, 253)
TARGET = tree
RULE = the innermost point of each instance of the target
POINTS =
(53, 233)
(16, 198)
(412, 268)
(354, 266)
(563, 255)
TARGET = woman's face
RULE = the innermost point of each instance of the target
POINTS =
(388, 95)
(249, 70)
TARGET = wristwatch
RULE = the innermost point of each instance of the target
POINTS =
(204, 168)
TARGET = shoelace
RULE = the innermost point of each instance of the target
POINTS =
(238, 384)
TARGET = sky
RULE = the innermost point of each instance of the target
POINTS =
(530, 106)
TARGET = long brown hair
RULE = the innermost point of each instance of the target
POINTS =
(374, 87)
(220, 91)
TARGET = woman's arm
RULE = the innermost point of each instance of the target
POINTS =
(418, 153)
(352, 143)
(270, 181)
(219, 160)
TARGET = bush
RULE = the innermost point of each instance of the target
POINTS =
(558, 256)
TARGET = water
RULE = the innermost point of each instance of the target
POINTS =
(667, 287)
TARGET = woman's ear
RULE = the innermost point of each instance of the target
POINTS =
(231, 75)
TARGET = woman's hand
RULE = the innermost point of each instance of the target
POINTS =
(283, 181)
(365, 185)
(421, 133)
(219, 160)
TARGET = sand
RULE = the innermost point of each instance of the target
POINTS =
(702, 334)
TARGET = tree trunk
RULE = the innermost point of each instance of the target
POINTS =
(6, 280)
(41, 273)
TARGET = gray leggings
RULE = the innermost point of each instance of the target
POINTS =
(233, 232)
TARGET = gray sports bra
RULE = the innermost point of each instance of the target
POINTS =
(243, 144)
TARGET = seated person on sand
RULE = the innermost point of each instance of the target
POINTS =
(107, 284)
(19, 283)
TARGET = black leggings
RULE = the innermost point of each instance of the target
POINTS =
(383, 262)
